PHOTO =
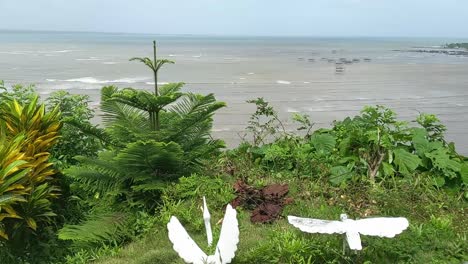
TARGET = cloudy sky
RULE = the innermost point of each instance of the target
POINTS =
(417, 18)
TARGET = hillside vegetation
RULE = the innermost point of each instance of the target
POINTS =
(74, 192)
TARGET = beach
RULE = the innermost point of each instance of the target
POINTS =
(292, 73)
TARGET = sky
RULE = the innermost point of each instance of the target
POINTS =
(378, 18)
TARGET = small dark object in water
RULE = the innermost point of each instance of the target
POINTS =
(339, 67)
(367, 59)
(356, 60)
(310, 60)
(300, 59)
(331, 60)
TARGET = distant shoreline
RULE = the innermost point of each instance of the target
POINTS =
(453, 49)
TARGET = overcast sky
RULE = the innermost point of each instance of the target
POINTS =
(417, 18)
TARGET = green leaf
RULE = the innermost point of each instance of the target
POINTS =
(464, 172)
(423, 146)
(340, 174)
(387, 169)
(323, 143)
(439, 181)
(31, 223)
(405, 161)
(441, 160)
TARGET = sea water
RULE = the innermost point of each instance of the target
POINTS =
(292, 73)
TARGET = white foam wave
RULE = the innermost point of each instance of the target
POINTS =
(292, 110)
(221, 129)
(13, 52)
(109, 62)
(250, 73)
(306, 82)
(196, 56)
(62, 51)
(51, 80)
(86, 80)
(92, 80)
(283, 82)
(159, 83)
(316, 109)
(242, 78)
(89, 59)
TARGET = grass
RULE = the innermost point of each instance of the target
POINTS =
(437, 232)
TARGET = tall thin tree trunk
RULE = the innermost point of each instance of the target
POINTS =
(156, 92)
(155, 71)
(157, 120)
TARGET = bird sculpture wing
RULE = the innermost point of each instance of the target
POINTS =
(311, 225)
(229, 236)
(381, 226)
(184, 245)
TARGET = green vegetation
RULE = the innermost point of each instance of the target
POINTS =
(72, 192)
(456, 46)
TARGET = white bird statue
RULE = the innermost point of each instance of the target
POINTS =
(206, 219)
(378, 226)
(190, 252)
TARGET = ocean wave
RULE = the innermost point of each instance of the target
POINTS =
(306, 82)
(221, 129)
(250, 73)
(292, 110)
(51, 80)
(23, 52)
(13, 52)
(283, 82)
(89, 59)
(109, 62)
(62, 51)
(159, 83)
(92, 80)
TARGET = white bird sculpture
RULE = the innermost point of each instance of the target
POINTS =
(190, 252)
(378, 226)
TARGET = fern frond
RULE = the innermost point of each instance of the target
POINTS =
(145, 60)
(97, 229)
(193, 110)
(170, 88)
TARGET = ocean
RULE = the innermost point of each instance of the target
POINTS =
(293, 73)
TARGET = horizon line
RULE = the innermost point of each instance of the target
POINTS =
(226, 35)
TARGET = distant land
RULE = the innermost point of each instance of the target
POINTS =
(456, 46)
(455, 49)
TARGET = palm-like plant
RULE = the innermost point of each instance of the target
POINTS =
(158, 137)
(167, 115)
(153, 104)
(155, 65)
